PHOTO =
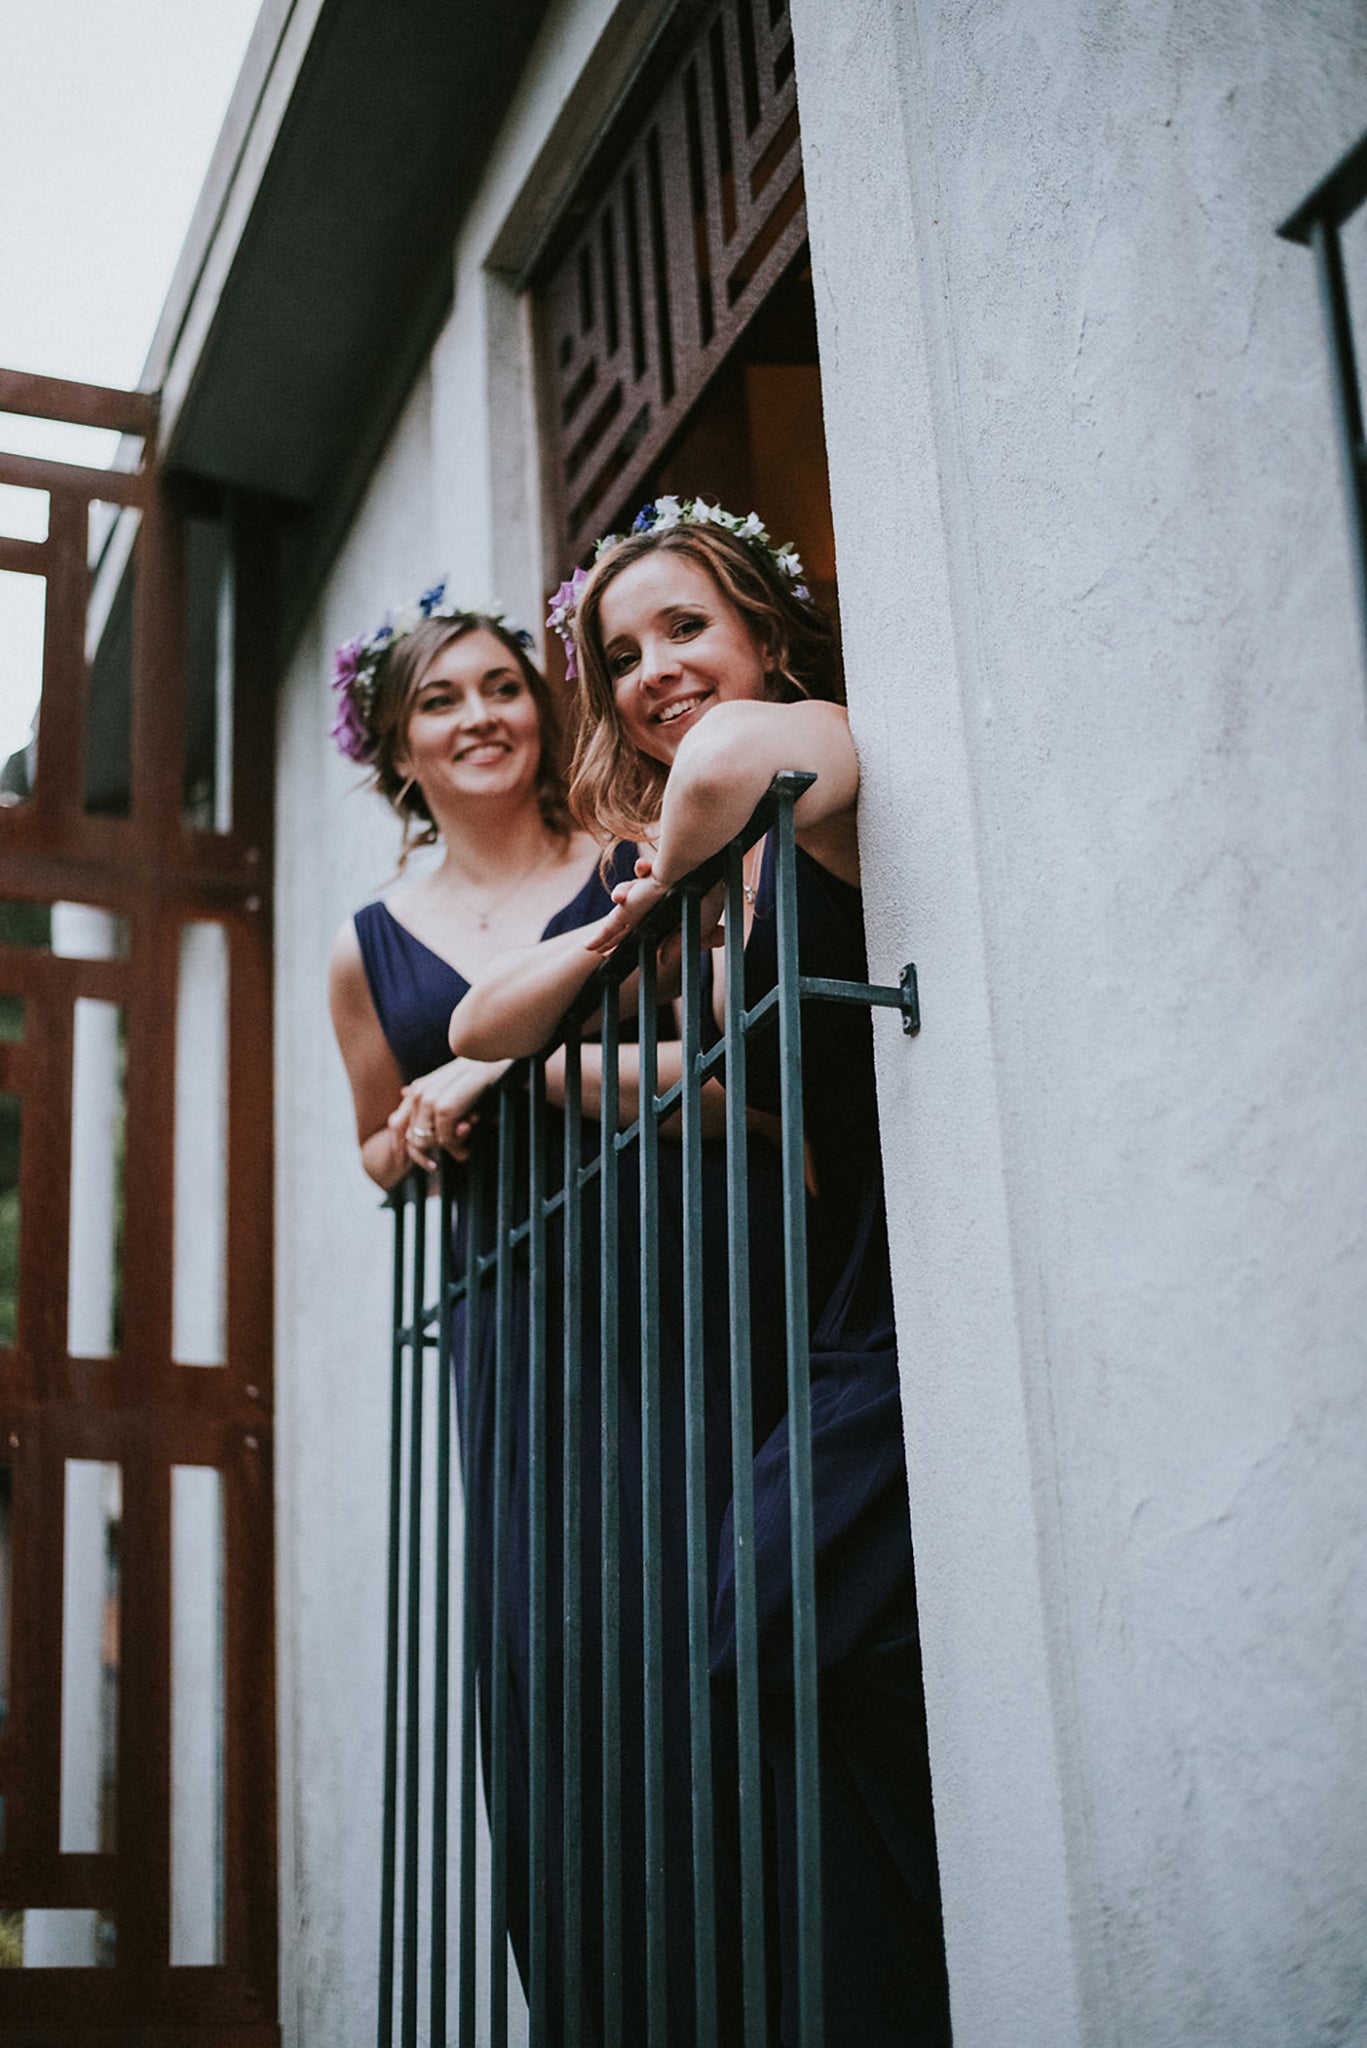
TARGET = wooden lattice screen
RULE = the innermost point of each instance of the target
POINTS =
(137, 1870)
(691, 230)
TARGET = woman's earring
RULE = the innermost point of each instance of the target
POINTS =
(398, 801)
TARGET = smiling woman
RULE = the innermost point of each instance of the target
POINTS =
(458, 730)
(698, 652)
(711, 616)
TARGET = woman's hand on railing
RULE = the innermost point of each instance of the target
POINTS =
(437, 1111)
(633, 902)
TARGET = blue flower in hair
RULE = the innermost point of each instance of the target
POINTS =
(644, 519)
(356, 670)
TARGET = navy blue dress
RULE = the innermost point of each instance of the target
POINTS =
(415, 991)
(883, 1949)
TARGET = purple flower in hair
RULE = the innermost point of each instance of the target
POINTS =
(561, 617)
(357, 664)
(349, 728)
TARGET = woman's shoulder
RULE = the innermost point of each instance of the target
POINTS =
(345, 950)
(357, 934)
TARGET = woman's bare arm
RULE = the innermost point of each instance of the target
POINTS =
(387, 1112)
(724, 767)
(669, 1067)
(376, 1083)
(721, 771)
(514, 1006)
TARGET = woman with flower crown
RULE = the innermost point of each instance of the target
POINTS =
(704, 671)
(458, 731)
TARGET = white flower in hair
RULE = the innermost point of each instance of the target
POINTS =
(660, 515)
(406, 618)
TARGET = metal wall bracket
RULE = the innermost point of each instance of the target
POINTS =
(911, 999)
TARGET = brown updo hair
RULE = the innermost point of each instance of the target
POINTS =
(401, 673)
(615, 790)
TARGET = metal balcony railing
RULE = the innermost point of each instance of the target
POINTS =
(524, 1181)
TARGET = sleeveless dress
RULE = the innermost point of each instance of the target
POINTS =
(414, 991)
(883, 1945)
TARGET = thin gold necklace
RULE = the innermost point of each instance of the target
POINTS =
(482, 917)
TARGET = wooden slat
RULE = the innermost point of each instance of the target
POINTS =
(52, 977)
(250, 1176)
(26, 557)
(106, 486)
(72, 1881)
(61, 711)
(150, 1157)
(80, 405)
(45, 1198)
(249, 1763)
(36, 1643)
(144, 1736)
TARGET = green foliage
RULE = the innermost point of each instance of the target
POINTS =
(25, 924)
(11, 1941)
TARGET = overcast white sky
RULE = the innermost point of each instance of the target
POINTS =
(112, 109)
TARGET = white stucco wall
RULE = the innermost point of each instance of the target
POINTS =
(1106, 678)
(334, 847)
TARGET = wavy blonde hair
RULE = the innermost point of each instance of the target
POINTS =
(400, 676)
(616, 790)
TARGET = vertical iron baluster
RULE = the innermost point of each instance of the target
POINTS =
(469, 1641)
(1338, 320)
(610, 1490)
(441, 1620)
(807, 1762)
(412, 1704)
(571, 1559)
(498, 1649)
(742, 1461)
(384, 2033)
(695, 1486)
(536, 1566)
(652, 1583)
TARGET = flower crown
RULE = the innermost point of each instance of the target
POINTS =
(356, 667)
(658, 517)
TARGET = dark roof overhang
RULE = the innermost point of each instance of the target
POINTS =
(292, 337)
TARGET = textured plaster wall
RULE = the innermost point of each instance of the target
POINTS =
(1106, 678)
(335, 847)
